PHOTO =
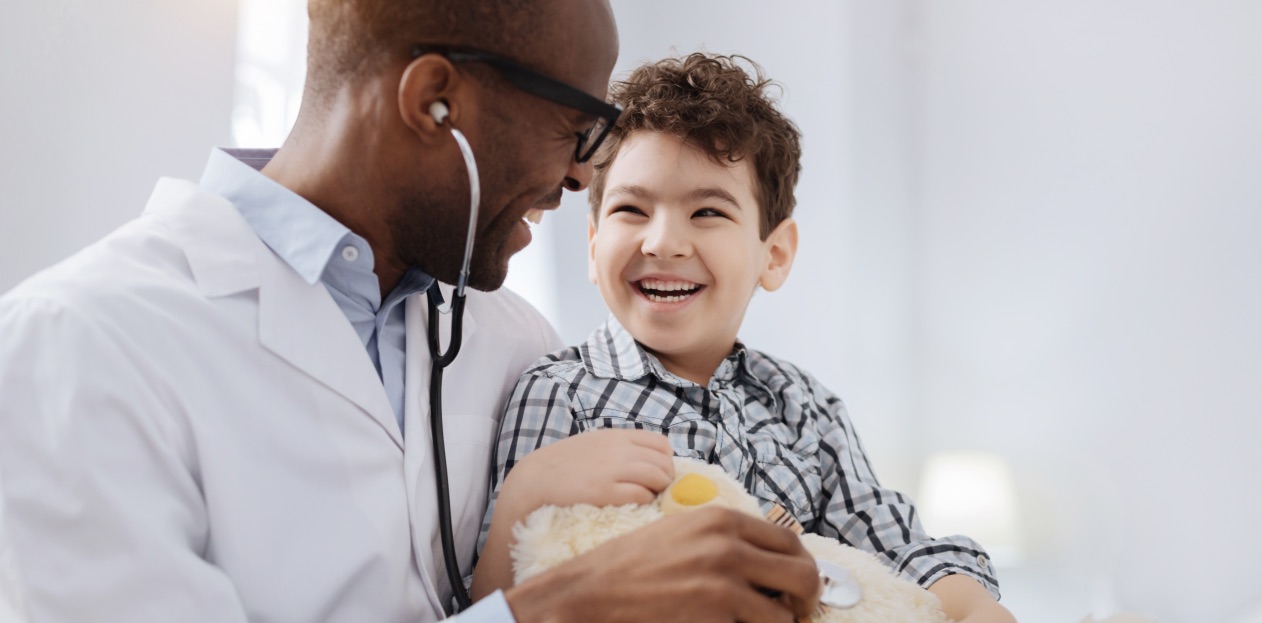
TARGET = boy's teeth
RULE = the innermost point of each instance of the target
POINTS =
(534, 216)
(667, 286)
(665, 299)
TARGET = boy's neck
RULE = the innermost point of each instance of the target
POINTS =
(696, 367)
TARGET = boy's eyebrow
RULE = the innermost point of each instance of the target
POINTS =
(712, 192)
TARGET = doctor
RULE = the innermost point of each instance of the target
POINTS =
(220, 412)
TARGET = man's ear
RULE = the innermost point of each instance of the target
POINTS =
(591, 248)
(781, 246)
(427, 79)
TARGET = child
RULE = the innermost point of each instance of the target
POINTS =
(691, 199)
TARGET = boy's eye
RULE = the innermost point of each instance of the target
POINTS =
(627, 209)
(708, 212)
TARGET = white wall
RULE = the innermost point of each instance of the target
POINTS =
(1089, 272)
(1028, 229)
(99, 100)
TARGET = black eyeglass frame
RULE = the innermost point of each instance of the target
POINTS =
(539, 85)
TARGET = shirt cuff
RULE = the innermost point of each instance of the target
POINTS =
(929, 561)
(490, 609)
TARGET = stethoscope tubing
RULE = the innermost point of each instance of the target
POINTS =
(440, 361)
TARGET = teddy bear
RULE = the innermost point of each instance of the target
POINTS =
(857, 587)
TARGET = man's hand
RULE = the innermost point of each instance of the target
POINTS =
(701, 566)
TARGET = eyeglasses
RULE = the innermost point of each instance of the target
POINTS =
(539, 85)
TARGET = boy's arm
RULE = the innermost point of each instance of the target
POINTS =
(965, 600)
(601, 467)
(860, 512)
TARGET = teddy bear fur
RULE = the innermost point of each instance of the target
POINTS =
(552, 535)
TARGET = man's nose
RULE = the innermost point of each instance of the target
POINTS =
(663, 239)
(578, 176)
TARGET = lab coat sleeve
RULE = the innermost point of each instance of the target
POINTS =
(103, 503)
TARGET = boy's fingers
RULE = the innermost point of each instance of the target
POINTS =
(647, 474)
(630, 493)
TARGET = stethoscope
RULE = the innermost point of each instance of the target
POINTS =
(441, 360)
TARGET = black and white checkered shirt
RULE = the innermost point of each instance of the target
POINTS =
(769, 424)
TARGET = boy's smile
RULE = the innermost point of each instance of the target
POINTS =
(676, 250)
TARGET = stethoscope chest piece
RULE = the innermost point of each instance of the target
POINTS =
(841, 590)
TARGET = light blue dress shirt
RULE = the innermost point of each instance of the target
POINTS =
(319, 248)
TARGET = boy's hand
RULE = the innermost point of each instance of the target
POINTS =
(704, 566)
(602, 467)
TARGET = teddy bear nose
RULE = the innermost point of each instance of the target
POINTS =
(694, 490)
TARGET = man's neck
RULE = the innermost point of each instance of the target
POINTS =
(329, 168)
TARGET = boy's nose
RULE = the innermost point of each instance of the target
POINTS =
(662, 240)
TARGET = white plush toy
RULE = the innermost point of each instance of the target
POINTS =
(861, 589)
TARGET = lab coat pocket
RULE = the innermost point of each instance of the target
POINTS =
(469, 441)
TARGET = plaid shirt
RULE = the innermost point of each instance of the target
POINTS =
(769, 424)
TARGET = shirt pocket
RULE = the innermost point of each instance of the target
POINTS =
(787, 476)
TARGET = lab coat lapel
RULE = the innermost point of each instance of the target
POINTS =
(418, 456)
(302, 324)
(298, 321)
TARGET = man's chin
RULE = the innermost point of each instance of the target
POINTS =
(488, 281)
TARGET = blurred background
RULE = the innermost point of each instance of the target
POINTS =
(1030, 257)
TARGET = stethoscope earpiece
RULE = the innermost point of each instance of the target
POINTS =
(438, 110)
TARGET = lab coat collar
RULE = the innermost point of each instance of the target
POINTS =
(298, 321)
(221, 248)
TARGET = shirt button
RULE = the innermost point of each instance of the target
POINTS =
(982, 561)
(350, 253)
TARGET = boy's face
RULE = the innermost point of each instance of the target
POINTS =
(676, 251)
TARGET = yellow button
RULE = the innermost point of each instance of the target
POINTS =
(694, 490)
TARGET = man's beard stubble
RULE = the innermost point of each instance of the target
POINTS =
(429, 234)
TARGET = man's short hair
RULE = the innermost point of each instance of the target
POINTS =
(716, 106)
(355, 38)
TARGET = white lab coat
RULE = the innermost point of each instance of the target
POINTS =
(190, 432)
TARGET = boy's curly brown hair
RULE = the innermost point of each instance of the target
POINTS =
(715, 105)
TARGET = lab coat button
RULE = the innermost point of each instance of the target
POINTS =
(350, 253)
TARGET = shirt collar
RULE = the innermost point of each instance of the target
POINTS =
(304, 236)
(611, 353)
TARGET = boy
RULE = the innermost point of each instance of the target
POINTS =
(691, 202)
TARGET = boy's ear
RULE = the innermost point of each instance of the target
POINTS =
(591, 248)
(781, 246)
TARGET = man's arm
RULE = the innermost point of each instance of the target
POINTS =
(104, 517)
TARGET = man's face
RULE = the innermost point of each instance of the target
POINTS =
(524, 147)
(676, 251)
